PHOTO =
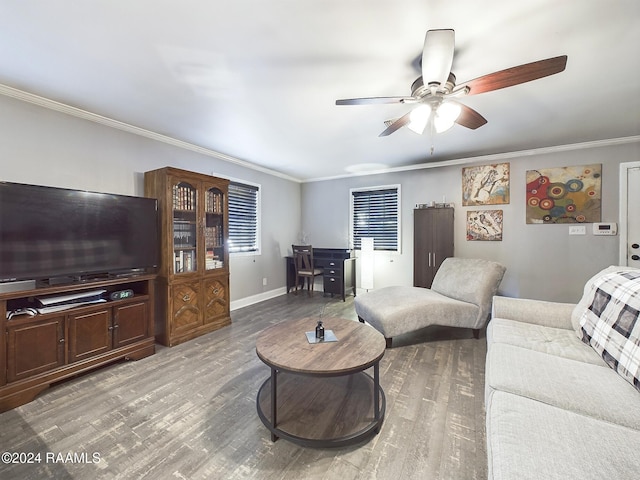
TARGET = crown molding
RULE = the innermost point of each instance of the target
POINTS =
(110, 122)
(493, 158)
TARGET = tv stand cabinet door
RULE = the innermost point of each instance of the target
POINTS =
(90, 334)
(34, 347)
(130, 324)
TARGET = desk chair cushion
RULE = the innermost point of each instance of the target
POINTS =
(307, 272)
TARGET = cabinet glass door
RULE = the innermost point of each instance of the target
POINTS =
(185, 231)
(214, 229)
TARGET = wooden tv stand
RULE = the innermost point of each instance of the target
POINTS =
(36, 351)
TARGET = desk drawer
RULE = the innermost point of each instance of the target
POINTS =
(329, 264)
(333, 284)
(333, 272)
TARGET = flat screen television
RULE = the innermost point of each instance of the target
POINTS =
(51, 233)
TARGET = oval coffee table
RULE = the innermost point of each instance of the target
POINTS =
(318, 395)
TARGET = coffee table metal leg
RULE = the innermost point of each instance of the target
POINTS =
(274, 386)
(376, 395)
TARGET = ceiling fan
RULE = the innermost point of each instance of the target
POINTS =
(435, 91)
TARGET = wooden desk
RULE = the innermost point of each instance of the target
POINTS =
(339, 270)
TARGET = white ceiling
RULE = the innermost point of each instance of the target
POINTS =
(257, 80)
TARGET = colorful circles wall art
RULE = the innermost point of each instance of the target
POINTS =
(565, 194)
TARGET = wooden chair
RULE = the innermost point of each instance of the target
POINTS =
(303, 261)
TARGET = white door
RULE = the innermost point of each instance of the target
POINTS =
(633, 217)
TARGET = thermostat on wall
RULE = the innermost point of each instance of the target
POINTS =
(605, 228)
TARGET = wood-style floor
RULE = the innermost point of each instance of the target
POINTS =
(189, 412)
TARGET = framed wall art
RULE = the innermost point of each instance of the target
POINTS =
(564, 194)
(484, 225)
(485, 185)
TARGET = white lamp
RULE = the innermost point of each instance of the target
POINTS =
(366, 263)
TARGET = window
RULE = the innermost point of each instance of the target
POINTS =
(243, 218)
(375, 212)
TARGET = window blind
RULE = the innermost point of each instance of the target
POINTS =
(243, 218)
(375, 214)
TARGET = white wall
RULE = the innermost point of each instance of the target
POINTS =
(44, 147)
(542, 261)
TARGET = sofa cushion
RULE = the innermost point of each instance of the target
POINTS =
(591, 390)
(554, 341)
(537, 312)
(530, 440)
(611, 323)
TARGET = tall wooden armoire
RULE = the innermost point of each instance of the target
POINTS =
(432, 242)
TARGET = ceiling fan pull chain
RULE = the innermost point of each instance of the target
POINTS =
(431, 132)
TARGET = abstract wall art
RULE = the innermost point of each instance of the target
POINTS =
(564, 194)
(485, 185)
(484, 225)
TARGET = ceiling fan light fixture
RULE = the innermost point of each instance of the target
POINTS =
(446, 115)
(433, 92)
(419, 117)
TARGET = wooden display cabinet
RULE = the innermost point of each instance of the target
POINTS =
(36, 351)
(193, 289)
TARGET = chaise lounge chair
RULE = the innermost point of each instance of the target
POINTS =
(460, 296)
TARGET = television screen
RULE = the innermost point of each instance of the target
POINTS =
(48, 232)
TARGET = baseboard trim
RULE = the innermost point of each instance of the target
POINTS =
(260, 297)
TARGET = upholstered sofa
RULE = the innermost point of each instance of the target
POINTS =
(556, 407)
(460, 296)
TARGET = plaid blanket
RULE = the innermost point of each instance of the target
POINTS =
(610, 324)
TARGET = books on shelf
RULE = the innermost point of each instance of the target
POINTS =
(213, 236)
(213, 264)
(184, 233)
(212, 261)
(185, 261)
(184, 197)
(214, 202)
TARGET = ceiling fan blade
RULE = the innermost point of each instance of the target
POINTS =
(396, 125)
(375, 100)
(470, 118)
(515, 75)
(437, 56)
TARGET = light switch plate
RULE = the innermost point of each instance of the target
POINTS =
(577, 230)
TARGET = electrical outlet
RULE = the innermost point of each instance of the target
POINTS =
(264, 282)
(577, 230)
